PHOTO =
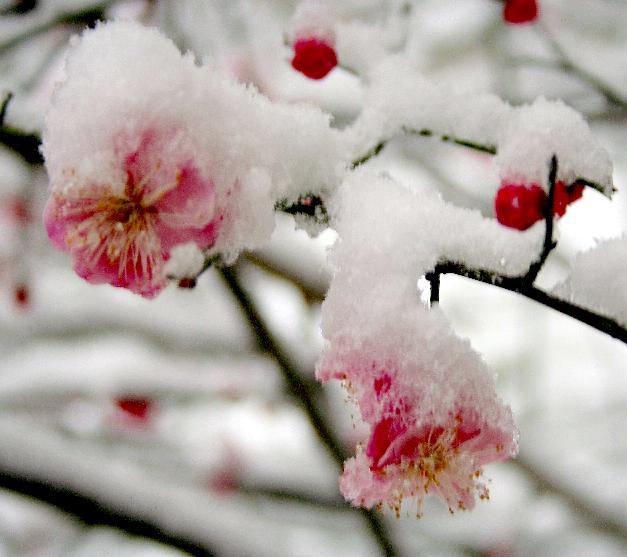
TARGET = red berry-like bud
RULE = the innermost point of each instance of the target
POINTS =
(520, 11)
(20, 210)
(519, 206)
(313, 57)
(136, 408)
(187, 283)
(565, 195)
(224, 481)
(21, 295)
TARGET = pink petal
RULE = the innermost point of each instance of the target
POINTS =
(187, 212)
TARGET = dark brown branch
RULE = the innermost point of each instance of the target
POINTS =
(434, 280)
(520, 286)
(549, 244)
(87, 16)
(596, 517)
(490, 149)
(567, 65)
(298, 389)
(5, 105)
(92, 512)
(19, 7)
(308, 205)
(26, 145)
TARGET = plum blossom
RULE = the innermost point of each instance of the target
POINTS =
(156, 162)
(424, 439)
(429, 400)
(121, 231)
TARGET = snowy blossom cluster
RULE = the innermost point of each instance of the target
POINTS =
(158, 164)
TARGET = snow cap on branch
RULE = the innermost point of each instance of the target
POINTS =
(400, 100)
(385, 228)
(146, 150)
(533, 133)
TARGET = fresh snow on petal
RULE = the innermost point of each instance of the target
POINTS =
(430, 401)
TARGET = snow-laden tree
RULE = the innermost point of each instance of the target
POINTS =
(353, 157)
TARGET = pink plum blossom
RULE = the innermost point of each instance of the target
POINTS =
(430, 433)
(121, 231)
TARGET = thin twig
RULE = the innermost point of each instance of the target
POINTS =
(549, 243)
(434, 280)
(481, 147)
(19, 7)
(93, 512)
(596, 517)
(26, 145)
(565, 63)
(5, 105)
(520, 286)
(298, 389)
(85, 16)
(424, 132)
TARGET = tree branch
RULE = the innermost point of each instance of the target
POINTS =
(92, 512)
(549, 244)
(520, 286)
(596, 517)
(87, 16)
(298, 389)
(483, 148)
(567, 65)
(424, 132)
(26, 145)
(434, 280)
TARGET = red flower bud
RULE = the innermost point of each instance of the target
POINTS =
(519, 206)
(520, 11)
(136, 408)
(565, 195)
(21, 295)
(313, 57)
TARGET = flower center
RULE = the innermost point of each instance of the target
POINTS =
(126, 211)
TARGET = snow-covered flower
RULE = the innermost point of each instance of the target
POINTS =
(149, 153)
(121, 231)
(429, 400)
(411, 453)
(425, 437)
